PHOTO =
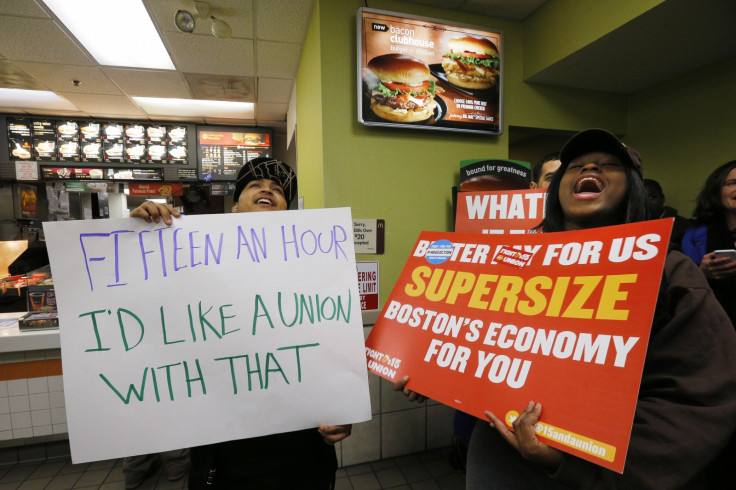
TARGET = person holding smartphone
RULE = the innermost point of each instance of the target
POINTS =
(715, 230)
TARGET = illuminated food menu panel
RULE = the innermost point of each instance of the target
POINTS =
(456, 71)
(135, 143)
(156, 140)
(72, 173)
(76, 173)
(90, 142)
(113, 142)
(19, 139)
(44, 140)
(177, 145)
(67, 134)
(223, 150)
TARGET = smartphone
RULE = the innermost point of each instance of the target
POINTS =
(731, 254)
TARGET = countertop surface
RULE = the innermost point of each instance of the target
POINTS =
(13, 340)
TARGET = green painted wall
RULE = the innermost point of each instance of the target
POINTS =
(309, 103)
(406, 176)
(556, 31)
(684, 129)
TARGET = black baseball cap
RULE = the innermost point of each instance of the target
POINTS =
(591, 140)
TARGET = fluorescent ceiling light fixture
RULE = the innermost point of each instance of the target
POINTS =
(156, 106)
(34, 99)
(114, 32)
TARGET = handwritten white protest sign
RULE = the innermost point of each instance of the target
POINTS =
(217, 328)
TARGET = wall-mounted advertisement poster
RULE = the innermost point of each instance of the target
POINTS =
(428, 74)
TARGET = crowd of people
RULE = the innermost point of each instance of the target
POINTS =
(685, 418)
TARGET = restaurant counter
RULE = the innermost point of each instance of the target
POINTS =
(32, 407)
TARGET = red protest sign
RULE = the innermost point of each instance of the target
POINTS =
(484, 322)
(499, 212)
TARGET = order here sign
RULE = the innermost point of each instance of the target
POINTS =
(216, 328)
(484, 322)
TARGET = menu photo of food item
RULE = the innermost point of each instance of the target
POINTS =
(19, 139)
(112, 131)
(135, 132)
(45, 149)
(178, 154)
(135, 151)
(19, 150)
(90, 131)
(113, 150)
(68, 151)
(178, 134)
(91, 151)
(156, 134)
(156, 152)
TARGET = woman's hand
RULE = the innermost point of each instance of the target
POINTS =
(334, 433)
(524, 438)
(400, 385)
(720, 268)
(154, 212)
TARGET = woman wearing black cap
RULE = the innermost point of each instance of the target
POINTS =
(302, 459)
(686, 408)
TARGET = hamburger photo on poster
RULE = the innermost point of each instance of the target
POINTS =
(424, 73)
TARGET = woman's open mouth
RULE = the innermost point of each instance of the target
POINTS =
(588, 186)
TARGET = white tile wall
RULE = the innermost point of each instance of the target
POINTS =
(32, 407)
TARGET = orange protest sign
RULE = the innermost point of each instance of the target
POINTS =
(483, 322)
(499, 212)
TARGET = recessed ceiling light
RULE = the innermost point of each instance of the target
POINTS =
(155, 106)
(114, 32)
(184, 21)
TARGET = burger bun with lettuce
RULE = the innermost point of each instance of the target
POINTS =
(471, 63)
(403, 90)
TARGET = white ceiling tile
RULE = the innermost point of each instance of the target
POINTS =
(101, 104)
(274, 89)
(220, 87)
(149, 83)
(59, 78)
(271, 112)
(23, 8)
(186, 119)
(22, 40)
(283, 20)
(242, 122)
(13, 76)
(278, 60)
(207, 54)
(58, 113)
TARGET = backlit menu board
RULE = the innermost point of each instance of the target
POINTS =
(113, 142)
(455, 70)
(19, 139)
(177, 145)
(135, 143)
(44, 140)
(156, 140)
(67, 133)
(222, 150)
(90, 142)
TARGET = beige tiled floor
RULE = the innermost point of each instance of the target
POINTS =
(423, 471)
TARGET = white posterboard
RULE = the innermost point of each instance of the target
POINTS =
(220, 327)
